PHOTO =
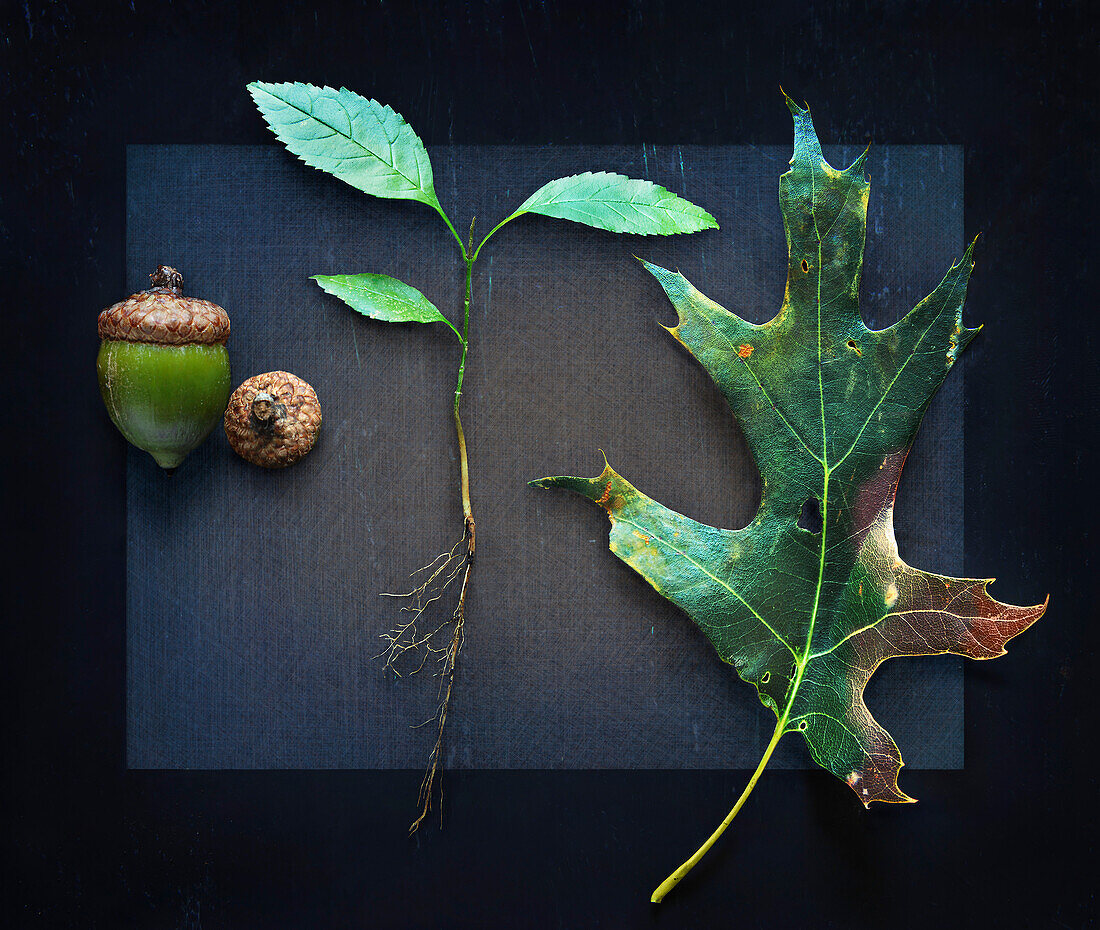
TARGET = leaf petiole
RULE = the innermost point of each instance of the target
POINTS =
(674, 879)
(489, 235)
(446, 219)
(455, 331)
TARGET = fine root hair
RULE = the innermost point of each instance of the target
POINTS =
(416, 643)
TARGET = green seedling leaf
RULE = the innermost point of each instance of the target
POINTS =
(382, 298)
(618, 204)
(360, 141)
(830, 410)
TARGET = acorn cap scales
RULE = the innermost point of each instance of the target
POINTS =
(161, 315)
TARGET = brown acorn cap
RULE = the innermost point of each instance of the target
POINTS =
(163, 316)
(273, 419)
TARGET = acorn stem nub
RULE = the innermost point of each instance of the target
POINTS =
(265, 411)
(168, 278)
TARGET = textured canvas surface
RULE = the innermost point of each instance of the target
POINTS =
(253, 597)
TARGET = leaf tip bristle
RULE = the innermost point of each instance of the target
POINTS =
(1041, 608)
(795, 109)
(673, 331)
(857, 165)
(791, 104)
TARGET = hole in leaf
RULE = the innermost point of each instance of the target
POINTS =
(854, 347)
(805, 265)
(809, 518)
(802, 725)
(765, 678)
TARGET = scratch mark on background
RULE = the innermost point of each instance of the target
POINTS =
(527, 33)
(355, 342)
(489, 291)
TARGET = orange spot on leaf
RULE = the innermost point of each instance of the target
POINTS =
(744, 351)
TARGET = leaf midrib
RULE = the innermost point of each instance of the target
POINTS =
(807, 657)
(608, 202)
(803, 662)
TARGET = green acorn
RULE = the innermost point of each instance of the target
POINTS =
(163, 368)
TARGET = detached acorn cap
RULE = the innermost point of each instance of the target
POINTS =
(161, 315)
(273, 419)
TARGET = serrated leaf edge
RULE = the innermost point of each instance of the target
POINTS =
(428, 191)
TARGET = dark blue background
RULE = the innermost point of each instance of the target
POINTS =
(253, 598)
(1008, 841)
